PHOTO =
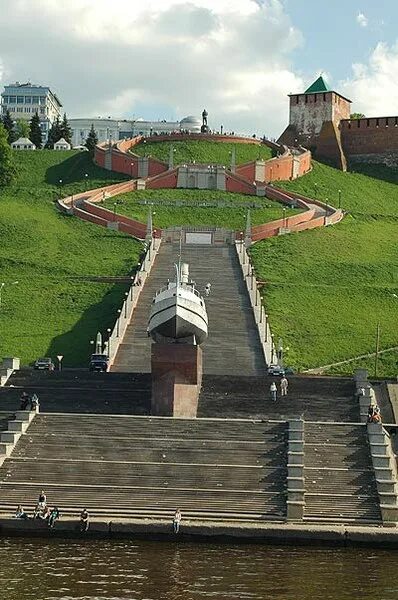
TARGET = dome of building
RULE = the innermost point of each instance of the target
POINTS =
(191, 123)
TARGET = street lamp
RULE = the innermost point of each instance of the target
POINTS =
(339, 198)
(132, 165)
(114, 211)
(60, 187)
(109, 341)
(2, 286)
(284, 217)
(125, 304)
(117, 322)
(85, 181)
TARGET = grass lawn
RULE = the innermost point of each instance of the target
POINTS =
(231, 216)
(205, 152)
(50, 310)
(360, 194)
(328, 288)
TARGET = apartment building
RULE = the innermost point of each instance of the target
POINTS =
(23, 100)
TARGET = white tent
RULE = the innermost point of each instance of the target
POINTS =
(62, 144)
(23, 143)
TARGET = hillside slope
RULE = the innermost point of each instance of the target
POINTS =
(50, 310)
(328, 289)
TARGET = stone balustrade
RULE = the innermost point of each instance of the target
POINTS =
(127, 309)
(260, 316)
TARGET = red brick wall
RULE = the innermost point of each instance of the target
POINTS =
(165, 180)
(155, 167)
(99, 156)
(370, 136)
(248, 170)
(277, 169)
(235, 184)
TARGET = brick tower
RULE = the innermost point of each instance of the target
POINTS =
(314, 118)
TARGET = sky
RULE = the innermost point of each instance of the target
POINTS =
(165, 59)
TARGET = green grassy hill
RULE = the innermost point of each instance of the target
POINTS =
(167, 213)
(206, 152)
(328, 288)
(52, 310)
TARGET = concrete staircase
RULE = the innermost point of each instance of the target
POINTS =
(80, 391)
(340, 484)
(314, 398)
(121, 466)
(233, 345)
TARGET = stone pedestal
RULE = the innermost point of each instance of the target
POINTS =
(176, 380)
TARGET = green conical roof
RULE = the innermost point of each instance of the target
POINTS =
(318, 86)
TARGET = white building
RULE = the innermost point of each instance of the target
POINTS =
(62, 144)
(118, 129)
(23, 100)
(23, 143)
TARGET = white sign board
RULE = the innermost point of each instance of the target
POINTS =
(198, 238)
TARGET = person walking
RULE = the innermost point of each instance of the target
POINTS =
(284, 386)
(177, 520)
(273, 391)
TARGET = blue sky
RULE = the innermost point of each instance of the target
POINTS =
(162, 59)
(334, 39)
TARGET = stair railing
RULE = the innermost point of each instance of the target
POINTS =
(132, 295)
(260, 316)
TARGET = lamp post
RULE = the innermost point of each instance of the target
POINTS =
(109, 341)
(60, 188)
(266, 326)
(85, 181)
(377, 348)
(114, 211)
(132, 165)
(118, 322)
(284, 217)
(126, 294)
(339, 198)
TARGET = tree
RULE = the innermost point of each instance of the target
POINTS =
(66, 131)
(35, 131)
(22, 128)
(54, 134)
(9, 126)
(357, 116)
(6, 163)
(91, 141)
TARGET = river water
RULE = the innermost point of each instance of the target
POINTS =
(130, 570)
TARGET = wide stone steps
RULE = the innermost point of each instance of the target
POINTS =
(233, 344)
(145, 475)
(129, 498)
(310, 397)
(339, 478)
(149, 464)
(321, 479)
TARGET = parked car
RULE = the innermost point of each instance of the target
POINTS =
(44, 364)
(276, 370)
(99, 362)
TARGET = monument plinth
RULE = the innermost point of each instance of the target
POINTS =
(176, 379)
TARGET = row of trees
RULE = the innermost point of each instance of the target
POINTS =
(32, 130)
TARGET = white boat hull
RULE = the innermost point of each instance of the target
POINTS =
(178, 317)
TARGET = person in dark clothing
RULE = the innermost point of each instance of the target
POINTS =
(24, 401)
(84, 520)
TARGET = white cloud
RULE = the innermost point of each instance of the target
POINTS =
(374, 86)
(158, 58)
(362, 20)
